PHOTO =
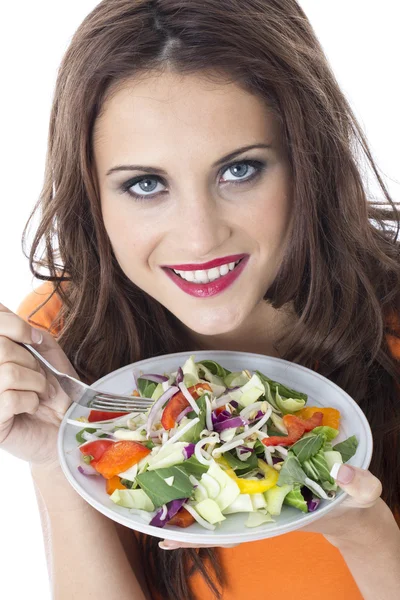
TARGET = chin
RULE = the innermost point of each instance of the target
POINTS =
(213, 322)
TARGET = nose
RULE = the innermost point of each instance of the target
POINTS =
(203, 226)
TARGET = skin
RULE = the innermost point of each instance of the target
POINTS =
(183, 124)
(201, 214)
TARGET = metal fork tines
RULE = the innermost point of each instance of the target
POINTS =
(106, 402)
(85, 395)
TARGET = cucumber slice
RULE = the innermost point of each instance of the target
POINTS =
(275, 497)
(132, 499)
(209, 510)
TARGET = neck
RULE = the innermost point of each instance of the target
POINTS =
(259, 334)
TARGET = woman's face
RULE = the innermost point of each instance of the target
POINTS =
(191, 172)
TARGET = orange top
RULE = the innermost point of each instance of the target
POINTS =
(294, 565)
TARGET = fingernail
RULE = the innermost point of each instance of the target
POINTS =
(345, 474)
(164, 545)
(52, 391)
(37, 336)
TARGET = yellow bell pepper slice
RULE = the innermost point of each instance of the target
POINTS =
(252, 486)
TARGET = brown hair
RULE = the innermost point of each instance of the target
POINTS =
(341, 269)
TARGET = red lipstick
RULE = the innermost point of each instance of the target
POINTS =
(217, 262)
(205, 290)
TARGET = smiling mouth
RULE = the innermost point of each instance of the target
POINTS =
(208, 275)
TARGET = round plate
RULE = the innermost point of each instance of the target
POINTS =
(320, 391)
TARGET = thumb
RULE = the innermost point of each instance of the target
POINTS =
(362, 487)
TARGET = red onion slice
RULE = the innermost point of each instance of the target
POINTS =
(154, 377)
(179, 376)
(234, 422)
(183, 413)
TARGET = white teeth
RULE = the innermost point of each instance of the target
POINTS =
(213, 274)
(202, 276)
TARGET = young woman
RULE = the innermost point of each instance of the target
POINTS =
(184, 132)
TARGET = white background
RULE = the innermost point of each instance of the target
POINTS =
(361, 40)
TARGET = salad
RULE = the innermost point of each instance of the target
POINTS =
(213, 443)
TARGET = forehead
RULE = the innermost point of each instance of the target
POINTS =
(165, 108)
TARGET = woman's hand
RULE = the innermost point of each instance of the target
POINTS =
(32, 404)
(362, 517)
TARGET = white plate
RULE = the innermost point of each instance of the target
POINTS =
(320, 391)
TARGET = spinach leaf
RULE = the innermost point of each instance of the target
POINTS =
(159, 492)
(146, 387)
(347, 448)
(241, 466)
(192, 466)
(305, 448)
(291, 471)
(81, 439)
(214, 367)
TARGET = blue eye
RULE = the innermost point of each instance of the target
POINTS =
(239, 171)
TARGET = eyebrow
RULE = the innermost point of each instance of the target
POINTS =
(149, 169)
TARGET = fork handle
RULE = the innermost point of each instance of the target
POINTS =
(40, 358)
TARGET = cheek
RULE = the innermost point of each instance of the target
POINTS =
(132, 242)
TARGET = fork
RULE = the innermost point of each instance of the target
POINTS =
(88, 396)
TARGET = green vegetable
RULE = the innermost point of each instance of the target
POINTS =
(214, 368)
(149, 444)
(291, 471)
(192, 466)
(193, 435)
(283, 391)
(305, 448)
(259, 448)
(275, 497)
(81, 439)
(288, 405)
(132, 499)
(320, 466)
(347, 448)
(241, 466)
(146, 387)
(328, 432)
(238, 378)
(258, 518)
(159, 492)
(295, 498)
(210, 511)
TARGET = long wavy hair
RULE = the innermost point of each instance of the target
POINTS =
(341, 269)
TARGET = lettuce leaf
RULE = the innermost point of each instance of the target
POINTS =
(295, 498)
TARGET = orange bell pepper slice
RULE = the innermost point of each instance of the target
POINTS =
(178, 403)
(296, 428)
(114, 484)
(119, 457)
(182, 518)
(331, 416)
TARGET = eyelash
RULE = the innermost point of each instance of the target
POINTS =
(258, 165)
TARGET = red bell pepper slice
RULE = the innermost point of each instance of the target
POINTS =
(96, 448)
(178, 403)
(296, 428)
(220, 409)
(119, 457)
(100, 415)
(182, 518)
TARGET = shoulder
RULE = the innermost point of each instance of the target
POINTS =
(393, 334)
(45, 317)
